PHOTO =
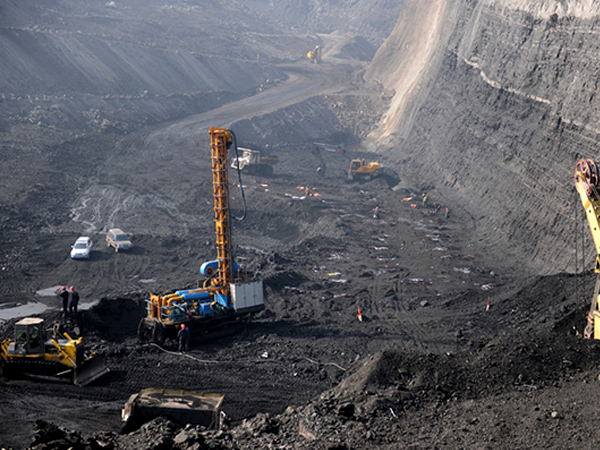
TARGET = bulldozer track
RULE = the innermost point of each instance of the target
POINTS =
(392, 314)
(36, 370)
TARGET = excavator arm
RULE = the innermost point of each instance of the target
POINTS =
(586, 182)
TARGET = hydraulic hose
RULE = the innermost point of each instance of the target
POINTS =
(239, 180)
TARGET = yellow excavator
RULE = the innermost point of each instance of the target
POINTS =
(586, 182)
(35, 353)
(361, 170)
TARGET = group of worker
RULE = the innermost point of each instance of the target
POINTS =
(69, 308)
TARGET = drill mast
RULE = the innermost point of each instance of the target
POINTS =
(220, 141)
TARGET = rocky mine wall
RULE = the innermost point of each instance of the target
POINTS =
(494, 103)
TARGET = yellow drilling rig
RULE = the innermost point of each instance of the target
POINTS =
(227, 294)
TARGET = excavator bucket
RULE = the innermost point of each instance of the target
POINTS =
(91, 370)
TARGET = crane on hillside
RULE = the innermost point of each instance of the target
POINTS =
(586, 182)
(315, 54)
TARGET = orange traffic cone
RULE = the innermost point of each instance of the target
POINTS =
(359, 315)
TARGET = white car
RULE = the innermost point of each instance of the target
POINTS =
(82, 248)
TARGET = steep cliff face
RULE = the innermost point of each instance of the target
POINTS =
(493, 110)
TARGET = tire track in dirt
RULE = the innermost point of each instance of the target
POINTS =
(402, 280)
(411, 325)
(127, 268)
(384, 306)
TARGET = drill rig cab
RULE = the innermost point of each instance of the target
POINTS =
(227, 294)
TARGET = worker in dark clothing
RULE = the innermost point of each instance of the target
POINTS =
(74, 302)
(376, 212)
(447, 214)
(64, 295)
(184, 338)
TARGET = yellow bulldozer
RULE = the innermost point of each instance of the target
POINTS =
(35, 353)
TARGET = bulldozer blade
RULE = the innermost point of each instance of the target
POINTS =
(91, 370)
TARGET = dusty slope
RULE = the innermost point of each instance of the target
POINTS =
(366, 18)
(498, 93)
(403, 62)
(77, 140)
(422, 290)
(451, 372)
